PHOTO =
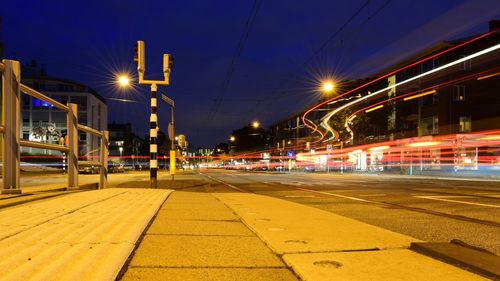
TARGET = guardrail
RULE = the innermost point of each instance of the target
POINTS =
(10, 133)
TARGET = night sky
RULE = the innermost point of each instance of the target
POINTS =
(235, 61)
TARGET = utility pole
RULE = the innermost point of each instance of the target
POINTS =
(168, 63)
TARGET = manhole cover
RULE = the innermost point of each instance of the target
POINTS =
(296, 241)
(328, 263)
(275, 229)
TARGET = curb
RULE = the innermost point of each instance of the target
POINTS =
(466, 257)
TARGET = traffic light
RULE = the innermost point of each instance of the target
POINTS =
(168, 63)
(139, 56)
(136, 53)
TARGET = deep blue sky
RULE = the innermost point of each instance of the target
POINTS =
(88, 41)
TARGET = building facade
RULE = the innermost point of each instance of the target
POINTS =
(122, 141)
(449, 90)
(43, 122)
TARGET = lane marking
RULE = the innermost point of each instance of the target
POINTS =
(373, 195)
(439, 198)
(268, 183)
(336, 195)
(230, 185)
(299, 196)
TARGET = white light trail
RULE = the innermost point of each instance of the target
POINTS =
(480, 53)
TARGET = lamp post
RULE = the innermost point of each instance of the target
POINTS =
(168, 62)
(327, 88)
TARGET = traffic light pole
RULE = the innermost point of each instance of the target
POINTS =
(153, 139)
(168, 62)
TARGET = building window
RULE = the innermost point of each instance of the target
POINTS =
(458, 92)
(465, 124)
(465, 65)
(36, 103)
(430, 126)
(83, 136)
(435, 98)
(429, 64)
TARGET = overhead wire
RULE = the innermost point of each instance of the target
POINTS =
(239, 49)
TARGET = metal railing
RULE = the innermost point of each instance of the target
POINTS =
(10, 133)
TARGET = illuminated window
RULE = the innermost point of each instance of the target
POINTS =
(465, 124)
(36, 102)
(458, 92)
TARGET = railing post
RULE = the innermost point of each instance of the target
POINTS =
(104, 160)
(10, 121)
(72, 122)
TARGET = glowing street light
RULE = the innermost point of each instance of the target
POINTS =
(255, 124)
(328, 87)
(232, 138)
(123, 80)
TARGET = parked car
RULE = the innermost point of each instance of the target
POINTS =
(88, 169)
(114, 167)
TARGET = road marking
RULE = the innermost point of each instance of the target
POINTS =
(293, 183)
(299, 196)
(333, 194)
(225, 183)
(372, 195)
(439, 198)
(268, 183)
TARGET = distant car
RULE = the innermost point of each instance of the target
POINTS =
(114, 167)
(88, 169)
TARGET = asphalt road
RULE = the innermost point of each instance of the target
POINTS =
(433, 210)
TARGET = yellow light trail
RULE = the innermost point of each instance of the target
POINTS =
(420, 95)
(374, 108)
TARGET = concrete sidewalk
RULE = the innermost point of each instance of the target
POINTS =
(319, 245)
(196, 237)
(205, 231)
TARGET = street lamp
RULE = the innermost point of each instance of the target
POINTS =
(328, 87)
(232, 138)
(123, 80)
(255, 124)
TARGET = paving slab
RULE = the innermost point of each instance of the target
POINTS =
(215, 274)
(289, 227)
(196, 237)
(187, 227)
(81, 236)
(203, 251)
(375, 265)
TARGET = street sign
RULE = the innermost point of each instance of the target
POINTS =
(329, 147)
(290, 154)
(167, 100)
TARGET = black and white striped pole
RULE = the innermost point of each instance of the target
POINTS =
(153, 138)
(168, 62)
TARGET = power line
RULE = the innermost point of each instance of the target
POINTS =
(318, 51)
(236, 56)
